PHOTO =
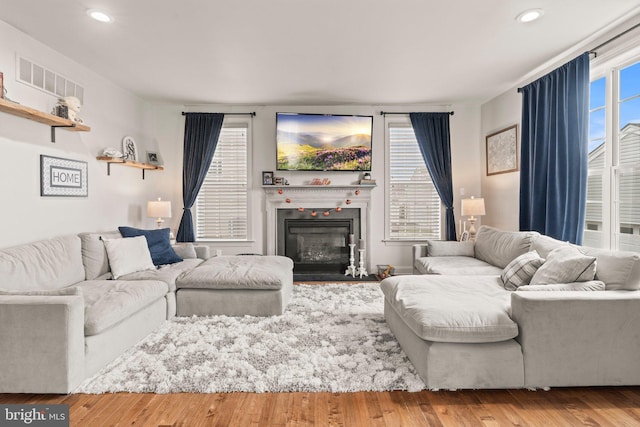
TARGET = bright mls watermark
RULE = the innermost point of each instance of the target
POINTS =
(34, 415)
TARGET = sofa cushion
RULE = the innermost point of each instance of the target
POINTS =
(619, 270)
(520, 271)
(62, 292)
(565, 265)
(459, 309)
(128, 255)
(158, 241)
(185, 250)
(166, 273)
(591, 285)
(499, 247)
(47, 264)
(239, 272)
(545, 244)
(458, 265)
(94, 255)
(108, 302)
(449, 248)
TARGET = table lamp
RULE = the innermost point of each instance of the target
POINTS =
(472, 207)
(159, 209)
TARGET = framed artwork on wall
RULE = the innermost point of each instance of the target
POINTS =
(63, 177)
(502, 151)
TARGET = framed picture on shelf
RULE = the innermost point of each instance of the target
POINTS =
(502, 151)
(1, 85)
(267, 177)
(129, 148)
(464, 236)
(153, 158)
(63, 177)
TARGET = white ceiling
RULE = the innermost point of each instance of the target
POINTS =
(309, 52)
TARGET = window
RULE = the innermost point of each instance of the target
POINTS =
(222, 204)
(414, 207)
(613, 186)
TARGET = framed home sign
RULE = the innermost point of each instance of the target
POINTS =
(63, 177)
(502, 151)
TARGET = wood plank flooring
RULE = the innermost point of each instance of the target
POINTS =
(593, 406)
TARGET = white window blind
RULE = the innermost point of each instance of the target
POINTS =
(414, 210)
(221, 207)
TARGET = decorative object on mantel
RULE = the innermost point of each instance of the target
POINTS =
(472, 207)
(313, 212)
(159, 209)
(351, 269)
(129, 148)
(318, 181)
(63, 177)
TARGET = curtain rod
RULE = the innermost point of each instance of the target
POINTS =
(253, 113)
(594, 50)
(384, 113)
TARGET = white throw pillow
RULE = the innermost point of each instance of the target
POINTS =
(128, 255)
(565, 265)
(520, 271)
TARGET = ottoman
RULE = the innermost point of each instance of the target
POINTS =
(236, 286)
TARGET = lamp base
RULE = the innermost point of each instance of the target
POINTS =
(159, 222)
(472, 229)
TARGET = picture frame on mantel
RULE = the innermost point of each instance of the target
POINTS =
(267, 178)
(502, 151)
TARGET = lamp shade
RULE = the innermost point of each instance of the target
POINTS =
(159, 209)
(473, 207)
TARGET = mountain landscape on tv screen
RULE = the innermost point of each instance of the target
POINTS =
(321, 151)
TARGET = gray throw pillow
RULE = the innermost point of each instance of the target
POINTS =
(520, 271)
(185, 250)
(565, 265)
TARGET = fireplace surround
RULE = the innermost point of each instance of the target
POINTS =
(317, 245)
(319, 198)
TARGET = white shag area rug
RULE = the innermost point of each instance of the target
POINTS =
(331, 338)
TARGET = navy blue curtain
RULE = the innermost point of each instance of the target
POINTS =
(553, 176)
(432, 133)
(201, 132)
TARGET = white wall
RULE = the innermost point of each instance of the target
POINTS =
(111, 112)
(465, 133)
(501, 192)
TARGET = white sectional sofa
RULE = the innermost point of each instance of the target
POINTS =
(461, 328)
(63, 317)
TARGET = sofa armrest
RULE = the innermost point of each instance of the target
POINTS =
(42, 340)
(203, 252)
(578, 338)
(420, 251)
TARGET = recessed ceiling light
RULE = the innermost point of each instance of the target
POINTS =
(98, 15)
(530, 15)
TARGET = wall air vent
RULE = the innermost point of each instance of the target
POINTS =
(47, 80)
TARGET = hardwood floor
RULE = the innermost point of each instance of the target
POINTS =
(602, 406)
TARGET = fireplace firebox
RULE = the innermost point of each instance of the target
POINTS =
(317, 245)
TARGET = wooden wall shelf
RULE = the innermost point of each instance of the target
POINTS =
(40, 117)
(130, 163)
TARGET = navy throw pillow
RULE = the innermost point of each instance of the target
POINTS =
(158, 241)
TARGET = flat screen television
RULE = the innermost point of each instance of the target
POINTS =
(323, 142)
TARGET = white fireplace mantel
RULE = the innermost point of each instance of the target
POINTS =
(319, 198)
